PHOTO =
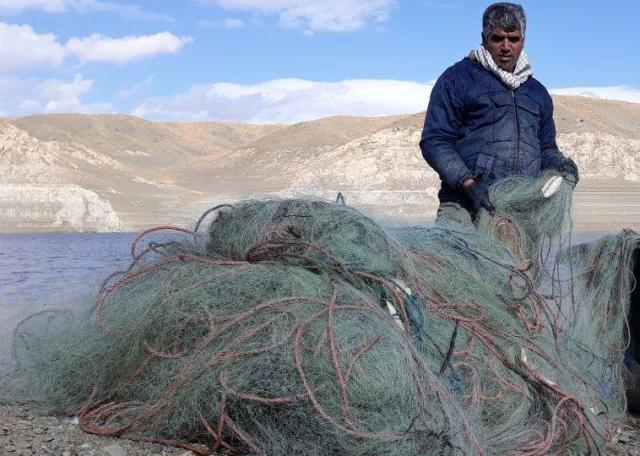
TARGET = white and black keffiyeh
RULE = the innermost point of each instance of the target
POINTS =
(513, 80)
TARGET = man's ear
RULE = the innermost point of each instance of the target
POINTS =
(482, 38)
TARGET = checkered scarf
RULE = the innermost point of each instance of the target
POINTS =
(512, 80)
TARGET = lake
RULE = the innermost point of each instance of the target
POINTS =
(53, 271)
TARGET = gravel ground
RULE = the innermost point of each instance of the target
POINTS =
(627, 439)
(26, 432)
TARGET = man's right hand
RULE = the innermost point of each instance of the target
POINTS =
(478, 196)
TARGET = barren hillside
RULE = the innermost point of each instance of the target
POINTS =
(115, 172)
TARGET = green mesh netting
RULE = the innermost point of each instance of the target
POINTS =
(303, 327)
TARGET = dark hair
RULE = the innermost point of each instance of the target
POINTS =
(507, 16)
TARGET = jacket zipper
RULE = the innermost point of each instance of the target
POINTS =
(517, 120)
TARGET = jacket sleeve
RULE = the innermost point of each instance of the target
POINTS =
(551, 155)
(440, 133)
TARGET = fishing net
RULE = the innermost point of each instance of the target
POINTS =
(303, 327)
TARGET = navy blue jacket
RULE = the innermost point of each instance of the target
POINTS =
(477, 127)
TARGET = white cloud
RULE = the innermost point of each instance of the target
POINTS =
(442, 5)
(100, 48)
(133, 11)
(61, 96)
(30, 96)
(296, 100)
(51, 6)
(289, 100)
(622, 93)
(317, 15)
(21, 47)
(124, 94)
(230, 23)
(233, 23)
(81, 6)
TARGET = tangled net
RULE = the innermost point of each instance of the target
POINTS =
(303, 327)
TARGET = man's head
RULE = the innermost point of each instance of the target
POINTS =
(503, 30)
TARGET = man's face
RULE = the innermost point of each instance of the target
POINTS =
(505, 48)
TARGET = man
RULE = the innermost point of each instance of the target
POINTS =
(488, 118)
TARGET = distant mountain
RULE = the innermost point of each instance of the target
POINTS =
(77, 172)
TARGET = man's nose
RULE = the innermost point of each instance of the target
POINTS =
(504, 45)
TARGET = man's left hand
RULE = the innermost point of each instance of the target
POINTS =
(568, 169)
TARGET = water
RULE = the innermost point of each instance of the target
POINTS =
(53, 271)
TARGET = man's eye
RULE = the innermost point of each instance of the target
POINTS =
(496, 38)
(514, 39)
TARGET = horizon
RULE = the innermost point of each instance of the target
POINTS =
(285, 61)
(249, 123)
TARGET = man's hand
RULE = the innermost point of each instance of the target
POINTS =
(569, 171)
(478, 196)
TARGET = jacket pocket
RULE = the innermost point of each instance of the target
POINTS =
(529, 105)
(504, 120)
(502, 99)
(529, 114)
(484, 167)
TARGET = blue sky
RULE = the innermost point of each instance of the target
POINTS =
(287, 60)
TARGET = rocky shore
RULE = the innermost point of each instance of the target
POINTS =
(26, 432)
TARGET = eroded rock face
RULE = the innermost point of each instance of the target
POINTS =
(603, 155)
(37, 189)
(55, 207)
(27, 159)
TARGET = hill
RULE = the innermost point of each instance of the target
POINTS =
(73, 172)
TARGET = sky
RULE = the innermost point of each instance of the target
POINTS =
(285, 61)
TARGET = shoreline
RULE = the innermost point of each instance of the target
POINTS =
(580, 231)
(29, 431)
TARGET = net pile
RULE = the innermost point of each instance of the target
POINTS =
(303, 327)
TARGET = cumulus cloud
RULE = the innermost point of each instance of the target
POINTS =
(21, 47)
(81, 6)
(54, 95)
(289, 100)
(317, 15)
(621, 93)
(296, 100)
(100, 48)
(31, 96)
